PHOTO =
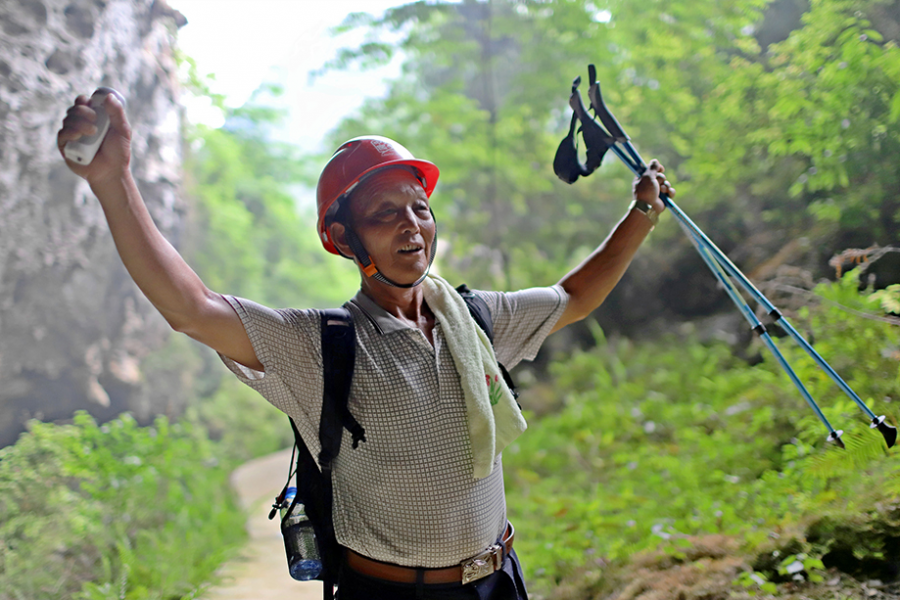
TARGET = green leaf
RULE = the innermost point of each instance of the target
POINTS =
(895, 108)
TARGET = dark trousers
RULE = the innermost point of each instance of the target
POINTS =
(504, 584)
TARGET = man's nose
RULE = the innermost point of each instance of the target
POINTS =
(408, 220)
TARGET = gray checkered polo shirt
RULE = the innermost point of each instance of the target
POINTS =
(407, 494)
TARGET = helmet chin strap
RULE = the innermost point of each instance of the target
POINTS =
(369, 268)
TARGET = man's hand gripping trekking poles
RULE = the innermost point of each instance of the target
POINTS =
(597, 141)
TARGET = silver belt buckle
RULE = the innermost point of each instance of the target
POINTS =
(482, 565)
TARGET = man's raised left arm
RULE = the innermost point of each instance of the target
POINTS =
(588, 284)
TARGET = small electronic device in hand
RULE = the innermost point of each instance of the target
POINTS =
(82, 151)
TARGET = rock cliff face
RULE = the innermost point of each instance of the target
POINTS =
(74, 330)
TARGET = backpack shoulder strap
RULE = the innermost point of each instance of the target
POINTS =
(481, 314)
(338, 356)
(314, 488)
(479, 310)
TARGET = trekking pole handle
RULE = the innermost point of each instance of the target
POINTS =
(599, 106)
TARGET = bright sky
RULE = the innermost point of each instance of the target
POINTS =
(248, 42)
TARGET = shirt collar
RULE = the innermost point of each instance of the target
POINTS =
(384, 321)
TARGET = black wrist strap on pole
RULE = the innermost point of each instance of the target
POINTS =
(566, 164)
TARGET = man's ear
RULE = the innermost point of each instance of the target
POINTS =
(339, 238)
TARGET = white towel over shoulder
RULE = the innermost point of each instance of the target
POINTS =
(493, 415)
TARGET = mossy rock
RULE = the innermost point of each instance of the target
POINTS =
(866, 546)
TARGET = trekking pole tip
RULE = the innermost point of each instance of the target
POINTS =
(888, 431)
(835, 436)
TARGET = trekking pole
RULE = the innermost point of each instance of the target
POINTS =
(877, 422)
(757, 327)
(715, 258)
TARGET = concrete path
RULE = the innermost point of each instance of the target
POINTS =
(260, 572)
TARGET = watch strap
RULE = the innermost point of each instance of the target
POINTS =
(647, 210)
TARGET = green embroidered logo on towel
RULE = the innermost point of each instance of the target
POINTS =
(494, 389)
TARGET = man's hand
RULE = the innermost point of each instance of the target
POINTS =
(651, 185)
(114, 155)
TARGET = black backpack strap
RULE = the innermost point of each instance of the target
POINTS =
(338, 357)
(480, 312)
(315, 490)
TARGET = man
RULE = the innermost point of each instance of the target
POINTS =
(424, 494)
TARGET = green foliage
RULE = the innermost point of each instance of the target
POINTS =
(822, 102)
(798, 136)
(802, 566)
(195, 83)
(253, 237)
(242, 423)
(476, 100)
(753, 580)
(113, 511)
(888, 299)
(656, 444)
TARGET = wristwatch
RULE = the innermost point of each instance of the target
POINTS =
(648, 211)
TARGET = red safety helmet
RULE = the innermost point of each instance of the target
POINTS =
(357, 158)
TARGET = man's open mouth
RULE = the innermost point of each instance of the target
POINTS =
(410, 248)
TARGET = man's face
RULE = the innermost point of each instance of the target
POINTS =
(390, 214)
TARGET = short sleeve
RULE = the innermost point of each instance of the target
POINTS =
(523, 320)
(288, 343)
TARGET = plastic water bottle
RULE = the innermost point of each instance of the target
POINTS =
(303, 558)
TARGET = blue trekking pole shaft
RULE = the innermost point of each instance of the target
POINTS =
(825, 366)
(751, 289)
(747, 285)
(760, 329)
(696, 232)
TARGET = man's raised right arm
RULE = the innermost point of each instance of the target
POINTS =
(156, 267)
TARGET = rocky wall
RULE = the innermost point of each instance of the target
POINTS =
(75, 332)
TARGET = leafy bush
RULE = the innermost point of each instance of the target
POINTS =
(658, 443)
(113, 511)
(243, 424)
(255, 233)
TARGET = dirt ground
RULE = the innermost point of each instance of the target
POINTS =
(260, 572)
